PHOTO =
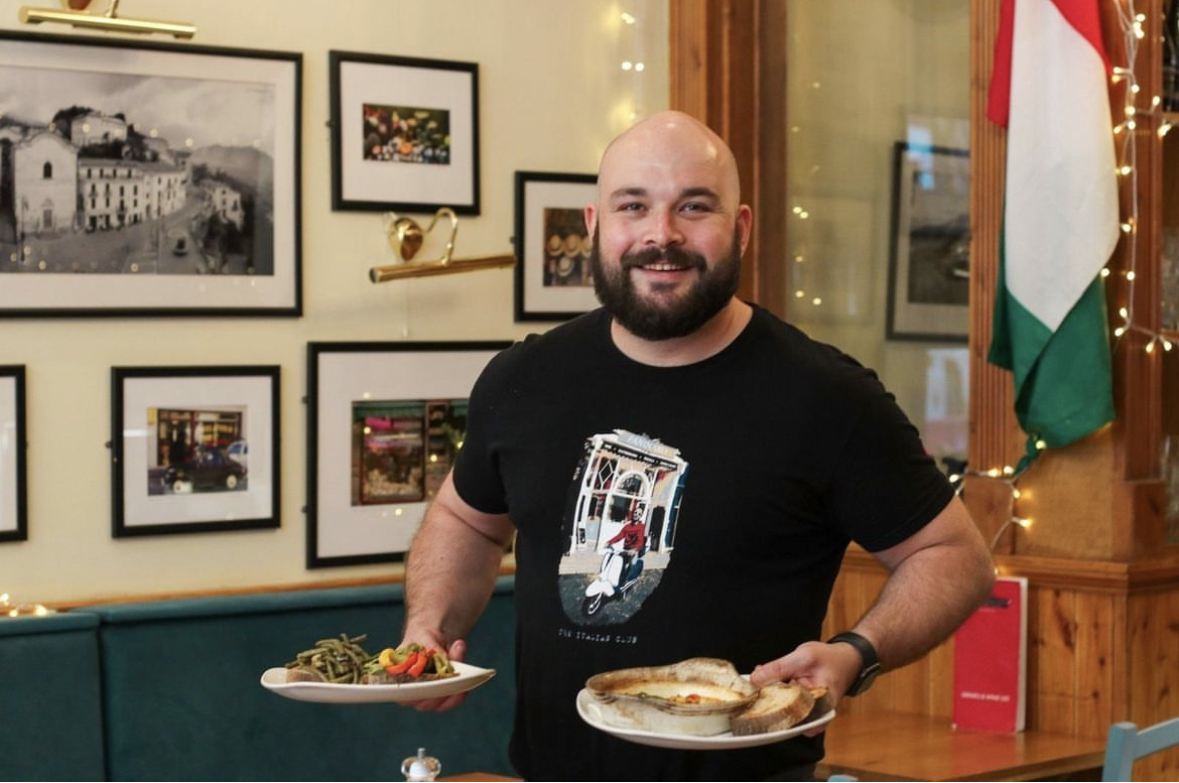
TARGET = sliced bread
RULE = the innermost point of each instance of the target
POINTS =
(778, 706)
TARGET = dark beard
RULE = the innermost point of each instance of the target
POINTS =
(652, 321)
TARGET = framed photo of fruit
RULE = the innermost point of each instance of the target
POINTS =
(13, 487)
(194, 449)
(405, 133)
(384, 423)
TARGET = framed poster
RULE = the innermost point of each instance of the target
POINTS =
(405, 133)
(13, 438)
(929, 263)
(384, 422)
(148, 179)
(194, 449)
(553, 246)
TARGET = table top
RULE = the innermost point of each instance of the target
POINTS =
(903, 746)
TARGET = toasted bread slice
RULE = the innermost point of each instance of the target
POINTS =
(778, 706)
(824, 703)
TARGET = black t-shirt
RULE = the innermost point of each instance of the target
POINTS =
(751, 470)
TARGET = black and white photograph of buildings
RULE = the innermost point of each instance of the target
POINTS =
(109, 173)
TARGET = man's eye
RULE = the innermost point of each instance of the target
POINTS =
(630, 207)
(695, 206)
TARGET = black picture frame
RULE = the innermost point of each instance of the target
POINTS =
(405, 133)
(150, 179)
(376, 412)
(929, 252)
(552, 245)
(194, 449)
(14, 511)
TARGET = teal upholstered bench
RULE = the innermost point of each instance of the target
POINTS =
(182, 698)
(50, 702)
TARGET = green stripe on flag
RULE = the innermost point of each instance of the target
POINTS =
(1063, 380)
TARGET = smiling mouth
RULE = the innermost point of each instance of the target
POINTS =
(664, 266)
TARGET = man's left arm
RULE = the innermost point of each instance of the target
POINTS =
(938, 577)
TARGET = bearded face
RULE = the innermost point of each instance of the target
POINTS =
(653, 317)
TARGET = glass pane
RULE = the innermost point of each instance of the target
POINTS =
(878, 101)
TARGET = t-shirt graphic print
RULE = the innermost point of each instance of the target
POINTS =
(619, 526)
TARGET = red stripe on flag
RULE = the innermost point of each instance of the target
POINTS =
(1085, 18)
(999, 97)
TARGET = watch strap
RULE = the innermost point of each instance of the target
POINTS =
(870, 660)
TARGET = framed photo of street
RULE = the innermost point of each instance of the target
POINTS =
(553, 278)
(405, 133)
(13, 483)
(194, 449)
(929, 263)
(148, 178)
(384, 423)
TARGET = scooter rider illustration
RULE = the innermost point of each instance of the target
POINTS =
(634, 542)
(620, 568)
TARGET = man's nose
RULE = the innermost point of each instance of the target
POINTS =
(663, 229)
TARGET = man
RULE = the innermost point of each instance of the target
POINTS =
(764, 452)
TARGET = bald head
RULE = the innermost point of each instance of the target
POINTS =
(671, 140)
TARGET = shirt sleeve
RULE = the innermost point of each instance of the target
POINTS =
(885, 486)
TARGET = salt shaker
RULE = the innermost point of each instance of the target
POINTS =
(421, 767)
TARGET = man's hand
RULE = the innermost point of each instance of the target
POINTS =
(455, 652)
(813, 665)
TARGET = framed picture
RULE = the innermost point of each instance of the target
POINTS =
(553, 279)
(405, 133)
(148, 179)
(13, 485)
(929, 264)
(194, 449)
(384, 422)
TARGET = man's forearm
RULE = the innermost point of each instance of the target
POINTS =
(924, 601)
(450, 575)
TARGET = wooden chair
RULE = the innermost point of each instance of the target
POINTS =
(1126, 744)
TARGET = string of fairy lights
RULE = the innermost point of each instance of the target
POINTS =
(1133, 27)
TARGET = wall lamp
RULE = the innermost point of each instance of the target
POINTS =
(74, 13)
(406, 237)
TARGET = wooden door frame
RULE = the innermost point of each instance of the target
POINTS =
(728, 69)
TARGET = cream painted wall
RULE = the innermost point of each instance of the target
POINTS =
(551, 94)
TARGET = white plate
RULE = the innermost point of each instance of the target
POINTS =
(331, 693)
(589, 713)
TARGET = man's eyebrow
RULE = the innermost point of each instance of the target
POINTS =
(698, 192)
(628, 192)
(694, 192)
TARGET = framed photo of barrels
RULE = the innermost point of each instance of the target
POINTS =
(384, 424)
(554, 267)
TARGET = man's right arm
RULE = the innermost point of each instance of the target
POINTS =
(453, 564)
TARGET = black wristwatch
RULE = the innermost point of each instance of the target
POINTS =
(871, 663)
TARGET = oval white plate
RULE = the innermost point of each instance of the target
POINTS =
(331, 693)
(589, 713)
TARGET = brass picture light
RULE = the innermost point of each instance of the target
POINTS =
(407, 237)
(74, 13)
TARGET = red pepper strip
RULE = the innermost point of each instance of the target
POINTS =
(419, 665)
(398, 668)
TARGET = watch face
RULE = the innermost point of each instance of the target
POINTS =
(865, 679)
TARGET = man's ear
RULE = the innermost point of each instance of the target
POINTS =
(591, 218)
(745, 223)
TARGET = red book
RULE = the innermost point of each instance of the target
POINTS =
(990, 661)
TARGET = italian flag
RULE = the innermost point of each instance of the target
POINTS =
(1050, 89)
